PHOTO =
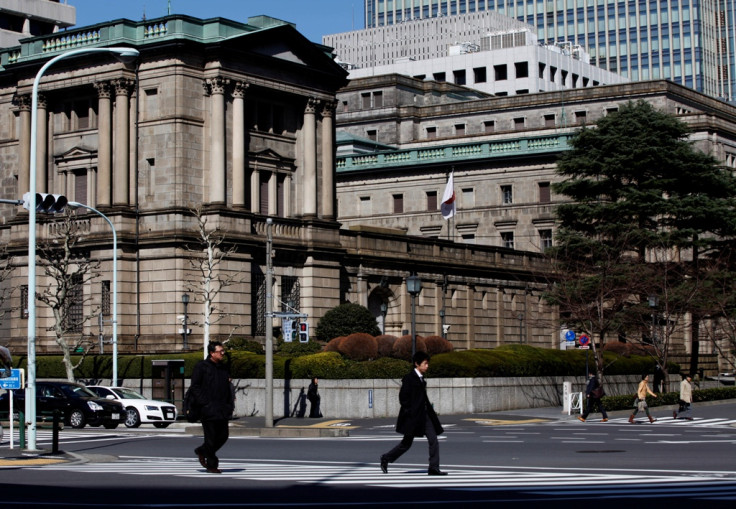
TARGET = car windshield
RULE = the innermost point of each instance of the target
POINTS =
(126, 393)
(77, 391)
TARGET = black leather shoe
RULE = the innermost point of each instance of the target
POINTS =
(201, 458)
(435, 471)
(384, 465)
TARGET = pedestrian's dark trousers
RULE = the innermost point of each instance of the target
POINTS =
(589, 407)
(215, 435)
(405, 444)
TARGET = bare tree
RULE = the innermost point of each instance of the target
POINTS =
(205, 278)
(6, 268)
(68, 270)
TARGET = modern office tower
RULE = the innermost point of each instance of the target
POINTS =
(28, 18)
(690, 42)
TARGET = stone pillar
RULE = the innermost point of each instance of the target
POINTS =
(42, 146)
(310, 160)
(362, 288)
(288, 210)
(273, 194)
(239, 144)
(255, 191)
(499, 317)
(217, 174)
(104, 144)
(24, 139)
(328, 161)
(121, 168)
(470, 318)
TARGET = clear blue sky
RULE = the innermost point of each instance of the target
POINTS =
(313, 18)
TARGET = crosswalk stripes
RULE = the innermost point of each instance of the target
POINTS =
(414, 476)
(697, 422)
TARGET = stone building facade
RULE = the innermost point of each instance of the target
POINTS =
(502, 151)
(236, 120)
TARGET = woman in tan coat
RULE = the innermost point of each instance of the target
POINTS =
(641, 399)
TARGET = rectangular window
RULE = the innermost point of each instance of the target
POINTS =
(75, 310)
(507, 240)
(431, 201)
(500, 72)
(398, 203)
(519, 123)
(522, 69)
(489, 126)
(264, 193)
(105, 298)
(544, 194)
(378, 99)
(459, 77)
(439, 76)
(549, 120)
(365, 206)
(468, 197)
(545, 239)
(507, 196)
(365, 98)
(431, 132)
(580, 117)
(479, 74)
(80, 186)
(24, 301)
(372, 134)
(459, 129)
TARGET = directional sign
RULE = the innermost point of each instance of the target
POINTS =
(12, 382)
(570, 335)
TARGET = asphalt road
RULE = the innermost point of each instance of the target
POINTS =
(520, 459)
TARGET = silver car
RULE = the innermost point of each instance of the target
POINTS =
(139, 409)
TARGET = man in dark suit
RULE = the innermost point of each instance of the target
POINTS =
(416, 418)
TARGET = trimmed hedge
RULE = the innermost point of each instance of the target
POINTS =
(508, 360)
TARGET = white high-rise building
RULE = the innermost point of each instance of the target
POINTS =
(690, 42)
(28, 18)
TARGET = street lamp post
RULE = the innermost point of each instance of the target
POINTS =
(74, 204)
(413, 286)
(31, 382)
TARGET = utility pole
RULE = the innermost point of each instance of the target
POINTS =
(269, 323)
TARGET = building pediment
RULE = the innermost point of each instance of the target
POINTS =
(76, 157)
(269, 158)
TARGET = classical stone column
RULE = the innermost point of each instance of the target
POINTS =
(288, 209)
(42, 145)
(328, 161)
(121, 168)
(239, 144)
(273, 194)
(310, 160)
(24, 139)
(217, 176)
(255, 191)
(104, 143)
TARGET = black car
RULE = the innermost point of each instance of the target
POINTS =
(78, 405)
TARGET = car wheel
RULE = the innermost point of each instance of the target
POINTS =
(110, 425)
(132, 418)
(161, 424)
(76, 419)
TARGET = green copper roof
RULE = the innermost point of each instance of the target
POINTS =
(449, 154)
(135, 33)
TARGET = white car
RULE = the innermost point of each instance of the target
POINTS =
(139, 409)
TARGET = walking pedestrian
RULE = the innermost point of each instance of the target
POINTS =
(314, 398)
(593, 394)
(640, 403)
(212, 394)
(686, 399)
(416, 417)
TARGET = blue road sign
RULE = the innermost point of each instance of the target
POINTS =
(570, 335)
(12, 382)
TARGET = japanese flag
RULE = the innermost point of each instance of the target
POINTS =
(448, 199)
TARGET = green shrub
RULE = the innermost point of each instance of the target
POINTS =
(346, 319)
(296, 348)
(245, 345)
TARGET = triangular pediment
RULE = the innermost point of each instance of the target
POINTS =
(271, 159)
(279, 49)
(77, 153)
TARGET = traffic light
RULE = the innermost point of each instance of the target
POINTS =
(49, 203)
(294, 330)
(304, 332)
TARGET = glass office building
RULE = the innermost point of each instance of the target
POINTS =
(690, 42)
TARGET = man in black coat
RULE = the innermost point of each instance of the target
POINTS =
(416, 418)
(212, 394)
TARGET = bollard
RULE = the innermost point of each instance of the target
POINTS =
(22, 429)
(55, 433)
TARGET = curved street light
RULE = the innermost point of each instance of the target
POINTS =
(127, 55)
